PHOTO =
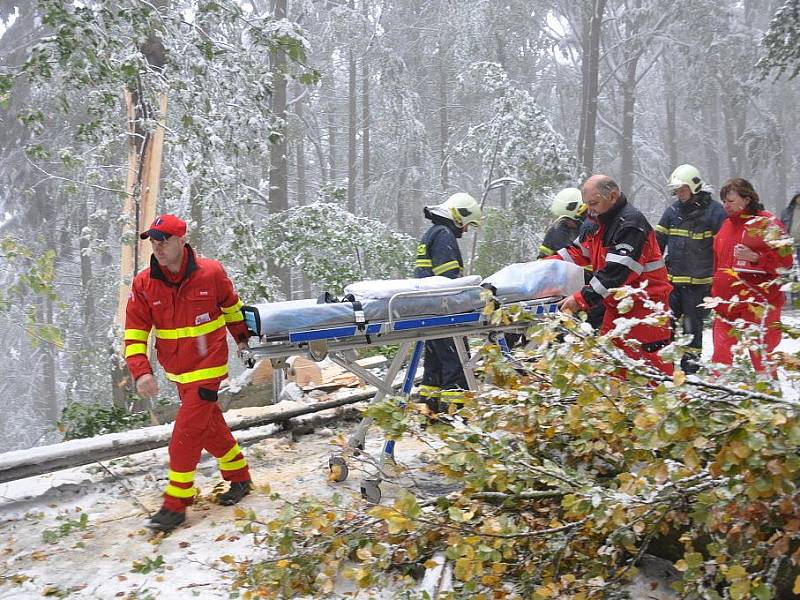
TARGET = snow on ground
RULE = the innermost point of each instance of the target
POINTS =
(79, 532)
(45, 550)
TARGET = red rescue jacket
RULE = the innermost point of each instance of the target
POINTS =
(622, 251)
(190, 319)
(734, 278)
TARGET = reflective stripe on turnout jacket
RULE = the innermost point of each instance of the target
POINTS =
(438, 254)
(189, 318)
(622, 251)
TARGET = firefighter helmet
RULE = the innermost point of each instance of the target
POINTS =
(685, 175)
(568, 203)
(460, 208)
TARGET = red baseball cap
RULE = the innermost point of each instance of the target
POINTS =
(165, 226)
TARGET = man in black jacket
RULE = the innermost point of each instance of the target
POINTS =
(443, 380)
(686, 230)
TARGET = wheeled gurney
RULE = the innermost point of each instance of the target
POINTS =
(406, 313)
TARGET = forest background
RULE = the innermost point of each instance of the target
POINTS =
(303, 138)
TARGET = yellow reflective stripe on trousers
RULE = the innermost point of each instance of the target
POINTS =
(134, 349)
(429, 391)
(452, 396)
(181, 477)
(233, 466)
(199, 375)
(136, 335)
(423, 262)
(230, 454)
(188, 332)
(448, 266)
(178, 492)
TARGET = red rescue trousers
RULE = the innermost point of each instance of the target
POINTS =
(724, 341)
(200, 425)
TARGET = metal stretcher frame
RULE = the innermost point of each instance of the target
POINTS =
(339, 343)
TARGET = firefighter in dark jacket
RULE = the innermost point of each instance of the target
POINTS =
(686, 231)
(443, 380)
(568, 208)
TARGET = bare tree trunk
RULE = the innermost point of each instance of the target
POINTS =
(444, 121)
(592, 89)
(628, 123)
(300, 148)
(87, 276)
(332, 162)
(352, 155)
(365, 112)
(278, 161)
(48, 350)
(712, 139)
(669, 105)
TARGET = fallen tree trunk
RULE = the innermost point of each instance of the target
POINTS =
(20, 464)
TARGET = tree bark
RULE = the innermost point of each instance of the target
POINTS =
(592, 72)
(366, 117)
(444, 121)
(351, 124)
(628, 123)
(278, 162)
(671, 128)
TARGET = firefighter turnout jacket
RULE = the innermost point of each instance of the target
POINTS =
(438, 253)
(687, 232)
(559, 235)
(190, 319)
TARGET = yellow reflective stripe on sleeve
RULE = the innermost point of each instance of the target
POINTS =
(233, 466)
(695, 235)
(136, 335)
(181, 477)
(188, 332)
(134, 349)
(545, 251)
(448, 266)
(424, 262)
(234, 318)
(230, 454)
(233, 308)
(689, 280)
(177, 492)
(199, 375)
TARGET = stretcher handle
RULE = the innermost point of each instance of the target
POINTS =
(433, 292)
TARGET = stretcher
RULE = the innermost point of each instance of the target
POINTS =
(406, 313)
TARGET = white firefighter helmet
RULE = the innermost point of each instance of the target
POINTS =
(685, 175)
(568, 203)
(461, 208)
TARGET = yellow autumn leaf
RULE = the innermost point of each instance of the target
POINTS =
(679, 378)
(796, 588)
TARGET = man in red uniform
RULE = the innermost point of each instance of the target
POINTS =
(190, 304)
(622, 251)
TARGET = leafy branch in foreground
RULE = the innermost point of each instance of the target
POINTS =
(563, 478)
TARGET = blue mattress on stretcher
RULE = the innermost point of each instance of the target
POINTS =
(431, 296)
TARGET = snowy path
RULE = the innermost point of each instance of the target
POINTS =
(44, 550)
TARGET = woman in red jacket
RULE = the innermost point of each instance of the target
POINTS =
(746, 271)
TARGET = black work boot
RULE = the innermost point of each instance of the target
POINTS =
(689, 364)
(237, 491)
(165, 520)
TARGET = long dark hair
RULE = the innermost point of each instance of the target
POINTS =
(745, 189)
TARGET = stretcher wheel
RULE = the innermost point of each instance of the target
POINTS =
(371, 491)
(338, 468)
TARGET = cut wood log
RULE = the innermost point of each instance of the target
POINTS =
(75, 453)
